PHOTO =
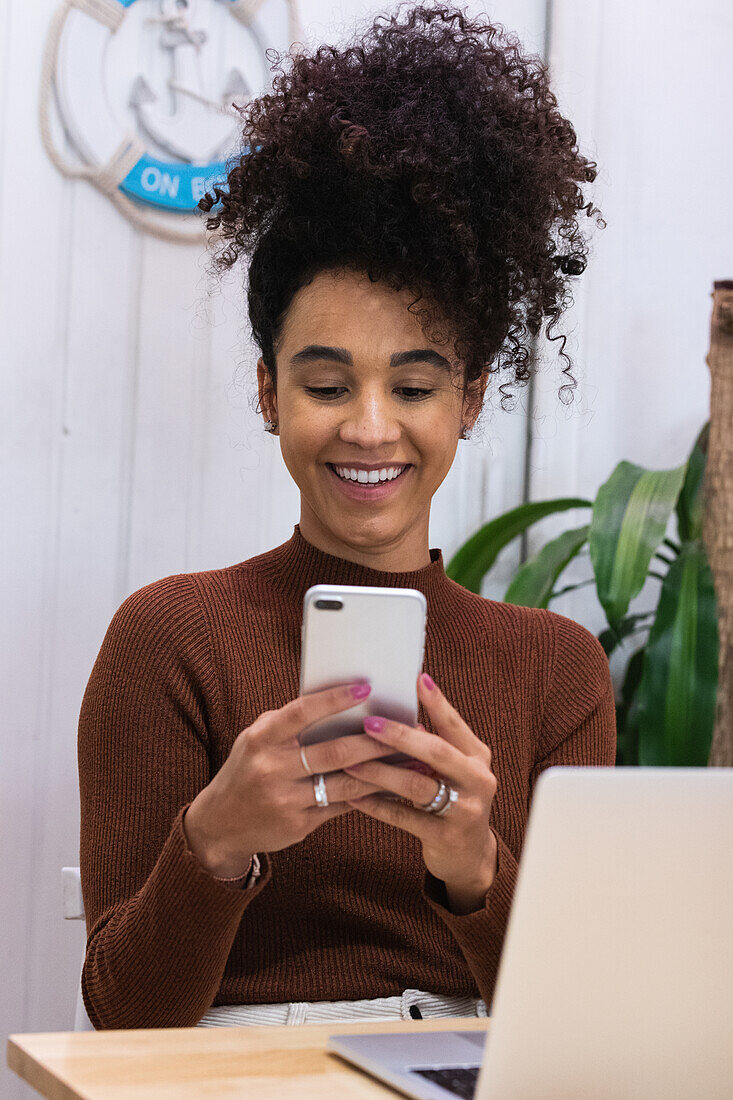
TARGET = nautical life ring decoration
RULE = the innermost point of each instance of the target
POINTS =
(154, 142)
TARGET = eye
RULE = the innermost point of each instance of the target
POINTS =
(329, 393)
(417, 394)
(325, 392)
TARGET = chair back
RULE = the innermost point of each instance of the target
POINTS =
(73, 909)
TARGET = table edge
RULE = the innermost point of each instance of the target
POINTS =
(28, 1069)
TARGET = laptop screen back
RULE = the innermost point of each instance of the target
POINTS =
(616, 976)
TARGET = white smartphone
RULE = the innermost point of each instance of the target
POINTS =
(361, 632)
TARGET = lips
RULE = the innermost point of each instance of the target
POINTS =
(364, 491)
(401, 466)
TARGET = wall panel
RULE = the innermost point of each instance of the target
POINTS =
(35, 232)
(646, 86)
(90, 440)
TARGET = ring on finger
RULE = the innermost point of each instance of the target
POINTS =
(443, 800)
(452, 797)
(305, 762)
(435, 803)
(319, 789)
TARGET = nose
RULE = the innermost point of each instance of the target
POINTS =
(370, 423)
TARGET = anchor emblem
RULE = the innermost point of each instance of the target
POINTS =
(197, 129)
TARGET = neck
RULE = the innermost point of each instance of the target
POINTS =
(297, 564)
(408, 551)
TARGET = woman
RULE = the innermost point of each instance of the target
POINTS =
(221, 882)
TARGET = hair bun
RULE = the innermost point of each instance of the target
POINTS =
(428, 153)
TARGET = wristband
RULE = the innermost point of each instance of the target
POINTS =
(248, 879)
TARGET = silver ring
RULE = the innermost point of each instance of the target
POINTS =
(437, 802)
(305, 762)
(452, 797)
(319, 789)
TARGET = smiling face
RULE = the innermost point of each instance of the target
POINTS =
(359, 388)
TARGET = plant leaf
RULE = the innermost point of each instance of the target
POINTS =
(677, 694)
(627, 716)
(472, 561)
(572, 587)
(630, 517)
(690, 503)
(613, 637)
(533, 582)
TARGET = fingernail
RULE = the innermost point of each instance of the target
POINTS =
(428, 681)
(360, 691)
(372, 724)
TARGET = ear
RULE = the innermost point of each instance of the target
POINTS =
(268, 397)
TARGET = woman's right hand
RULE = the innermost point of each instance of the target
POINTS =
(261, 799)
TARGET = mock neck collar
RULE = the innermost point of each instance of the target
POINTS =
(297, 564)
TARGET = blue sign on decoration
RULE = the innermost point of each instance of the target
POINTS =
(172, 185)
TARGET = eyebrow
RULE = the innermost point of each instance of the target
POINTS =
(314, 352)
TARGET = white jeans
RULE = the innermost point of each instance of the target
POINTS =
(312, 1012)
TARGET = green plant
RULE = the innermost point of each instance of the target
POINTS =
(666, 710)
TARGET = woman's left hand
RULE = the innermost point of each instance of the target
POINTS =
(459, 847)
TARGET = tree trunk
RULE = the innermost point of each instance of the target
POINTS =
(718, 509)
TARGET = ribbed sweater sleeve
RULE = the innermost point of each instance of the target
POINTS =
(159, 926)
(578, 728)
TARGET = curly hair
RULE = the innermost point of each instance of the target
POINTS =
(429, 154)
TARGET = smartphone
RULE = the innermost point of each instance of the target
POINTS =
(361, 632)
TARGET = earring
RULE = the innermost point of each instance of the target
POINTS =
(270, 426)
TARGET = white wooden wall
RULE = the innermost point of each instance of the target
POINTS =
(131, 451)
(647, 85)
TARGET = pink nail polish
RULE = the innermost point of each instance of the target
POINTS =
(428, 681)
(360, 691)
(372, 724)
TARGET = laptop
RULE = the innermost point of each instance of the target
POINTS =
(616, 975)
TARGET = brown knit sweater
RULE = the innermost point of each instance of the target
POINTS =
(351, 911)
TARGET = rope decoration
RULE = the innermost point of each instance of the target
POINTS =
(108, 177)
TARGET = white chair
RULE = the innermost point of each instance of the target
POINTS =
(74, 910)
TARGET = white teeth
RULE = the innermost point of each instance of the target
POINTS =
(369, 477)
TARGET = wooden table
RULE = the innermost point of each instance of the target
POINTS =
(261, 1063)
